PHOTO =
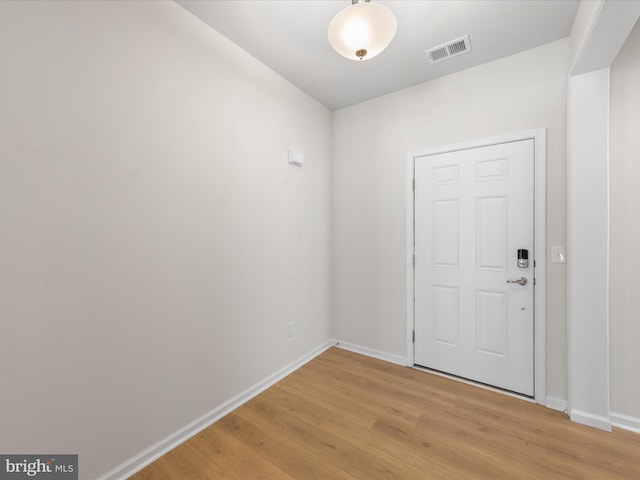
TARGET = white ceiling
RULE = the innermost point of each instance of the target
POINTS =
(290, 36)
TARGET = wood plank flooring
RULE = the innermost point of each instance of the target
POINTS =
(346, 416)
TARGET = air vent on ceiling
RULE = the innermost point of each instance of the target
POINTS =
(449, 49)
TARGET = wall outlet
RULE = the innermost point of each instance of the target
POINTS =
(292, 328)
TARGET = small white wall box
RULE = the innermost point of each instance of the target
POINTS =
(296, 158)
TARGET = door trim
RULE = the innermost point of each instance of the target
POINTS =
(539, 137)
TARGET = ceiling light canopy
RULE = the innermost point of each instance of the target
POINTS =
(362, 30)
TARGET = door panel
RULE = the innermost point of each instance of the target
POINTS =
(473, 210)
(491, 233)
(445, 234)
(491, 322)
(445, 315)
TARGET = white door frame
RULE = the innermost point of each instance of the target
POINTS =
(540, 160)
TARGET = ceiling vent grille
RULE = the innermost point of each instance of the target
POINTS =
(449, 49)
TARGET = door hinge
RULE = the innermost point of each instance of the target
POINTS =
(414, 336)
(414, 260)
(414, 185)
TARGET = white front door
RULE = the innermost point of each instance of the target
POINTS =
(474, 210)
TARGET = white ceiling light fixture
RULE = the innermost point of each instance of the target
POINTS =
(362, 30)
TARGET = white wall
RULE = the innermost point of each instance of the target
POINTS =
(588, 247)
(155, 243)
(370, 144)
(598, 34)
(624, 301)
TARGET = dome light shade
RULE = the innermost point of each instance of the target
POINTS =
(362, 30)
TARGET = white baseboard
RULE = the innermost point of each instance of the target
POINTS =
(138, 462)
(370, 352)
(625, 422)
(557, 404)
(596, 421)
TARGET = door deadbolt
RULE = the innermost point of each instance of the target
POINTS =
(523, 258)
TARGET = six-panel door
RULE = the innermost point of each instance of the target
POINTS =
(474, 209)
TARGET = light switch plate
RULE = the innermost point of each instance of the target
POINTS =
(558, 254)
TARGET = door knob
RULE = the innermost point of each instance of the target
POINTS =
(521, 281)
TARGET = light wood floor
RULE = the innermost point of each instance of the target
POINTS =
(345, 416)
